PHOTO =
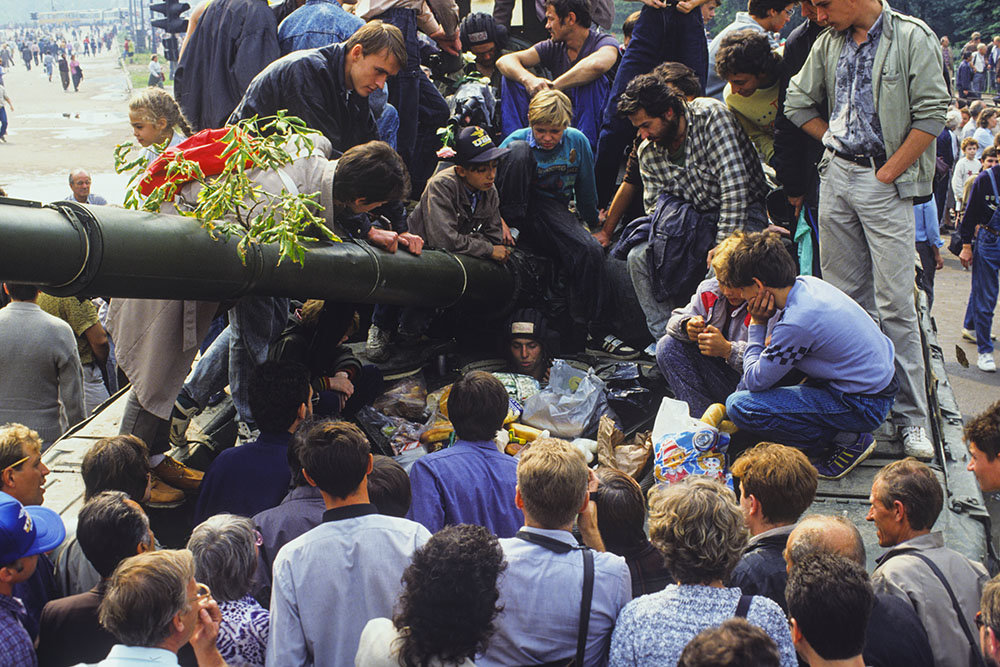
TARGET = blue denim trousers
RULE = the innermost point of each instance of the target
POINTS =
(588, 104)
(660, 35)
(694, 378)
(421, 108)
(806, 416)
(254, 321)
(983, 299)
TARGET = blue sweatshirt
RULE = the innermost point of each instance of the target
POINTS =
(565, 172)
(826, 335)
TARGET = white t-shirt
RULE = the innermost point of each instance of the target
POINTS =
(378, 647)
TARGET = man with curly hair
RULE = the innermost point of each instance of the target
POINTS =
(751, 71)
(446, 612)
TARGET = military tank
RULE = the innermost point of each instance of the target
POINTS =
(73, 249)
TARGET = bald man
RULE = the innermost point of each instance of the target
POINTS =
(79, 183)
(895, 635)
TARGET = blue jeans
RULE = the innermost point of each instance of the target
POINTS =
(588, 103)
(660, 35)
(254, 321)
(420, 106)
(3, 121)
(694, 378)
(985, 265)
(979, 82)
(806, 416)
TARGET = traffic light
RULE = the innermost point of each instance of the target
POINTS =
(171, 21)
(170, 48)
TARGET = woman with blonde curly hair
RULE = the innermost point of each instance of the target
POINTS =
(700, 531)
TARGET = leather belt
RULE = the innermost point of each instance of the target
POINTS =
(875, 162)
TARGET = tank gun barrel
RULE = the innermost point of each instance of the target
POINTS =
(74, 249)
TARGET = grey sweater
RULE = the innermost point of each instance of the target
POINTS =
(40, 370)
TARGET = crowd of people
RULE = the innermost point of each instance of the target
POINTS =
(772, 198)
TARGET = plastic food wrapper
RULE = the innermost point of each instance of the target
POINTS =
(518, 387)
(406, 398)
(614, 452)
(571, 405)
(437, 401)
(394, 433)
(684, 446)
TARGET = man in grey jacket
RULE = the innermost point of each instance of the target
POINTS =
(41, 385)
(906, 499)
(879, 73)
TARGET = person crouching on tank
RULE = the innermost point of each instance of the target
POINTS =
(530, 345)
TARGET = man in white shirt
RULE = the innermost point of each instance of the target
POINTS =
(329, 582)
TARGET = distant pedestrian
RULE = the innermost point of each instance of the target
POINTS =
(50, 63)
(64, 71)
(76, 71)
(155, 72)
(4, 101)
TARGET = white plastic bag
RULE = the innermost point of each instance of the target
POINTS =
(571, 405)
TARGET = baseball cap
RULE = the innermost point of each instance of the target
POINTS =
(474, 146)
(27, 531)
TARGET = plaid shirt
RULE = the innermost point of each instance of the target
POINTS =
(16, 647)
(721, 169)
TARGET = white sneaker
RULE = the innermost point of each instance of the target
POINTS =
(916, 443)
(986, 363)
(377, 345)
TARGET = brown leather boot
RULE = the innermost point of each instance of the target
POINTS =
(178, 475)
(162, 495)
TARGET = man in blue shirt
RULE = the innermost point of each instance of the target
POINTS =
(471, 481)
(540, 591)
(847, 360)
(79, 183)
(329, 582)
(254, 477)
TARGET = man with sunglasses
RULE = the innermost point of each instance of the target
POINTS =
(144, 590)
(22, 476)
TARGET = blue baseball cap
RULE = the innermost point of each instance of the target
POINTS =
(27, 531)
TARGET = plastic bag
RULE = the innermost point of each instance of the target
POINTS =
(570, 406)
(684, 446)
(406, 398)
(390, 434)
(518, 387)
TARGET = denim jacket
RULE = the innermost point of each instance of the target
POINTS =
(906, 75)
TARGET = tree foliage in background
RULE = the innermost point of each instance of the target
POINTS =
(955, 18)
(230, 203)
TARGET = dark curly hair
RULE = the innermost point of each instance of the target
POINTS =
(984, 431)
(449, 598)
(747, 52)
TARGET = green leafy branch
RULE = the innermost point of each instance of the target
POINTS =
(230, 203)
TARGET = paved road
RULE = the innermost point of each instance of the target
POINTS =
(52, 131)
(974, 389)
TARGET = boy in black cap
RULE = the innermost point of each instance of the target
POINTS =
(25, 532)
(459, 210)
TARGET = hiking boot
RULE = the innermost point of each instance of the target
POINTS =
(986, 363)
(164, 496)
(916, 443)
(844, 458)
(178, 475)
(612, 346)
(180, 418)
(377, 345)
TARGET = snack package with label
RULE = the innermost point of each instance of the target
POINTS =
(684, 446)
